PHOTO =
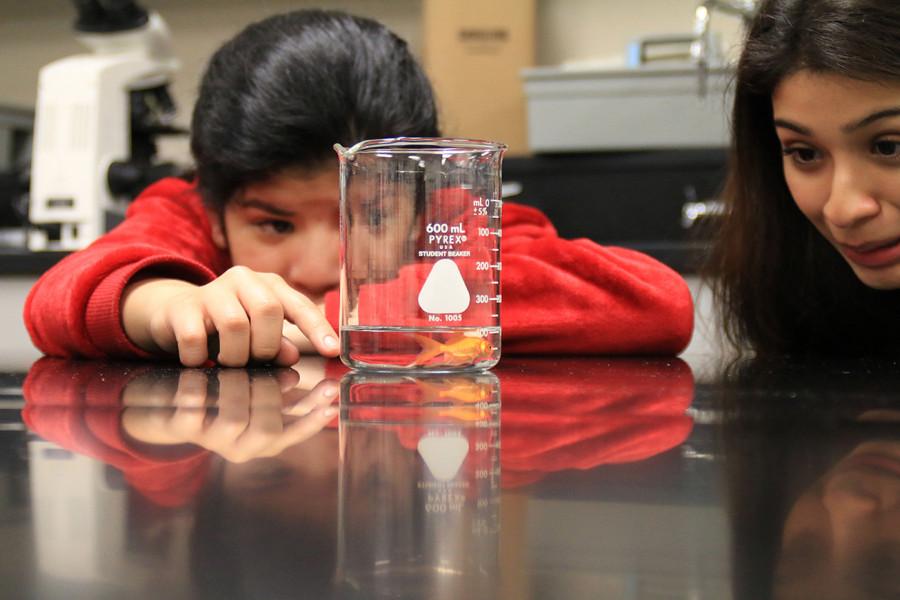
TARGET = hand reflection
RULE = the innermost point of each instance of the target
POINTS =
(253, 414)
(145, 419)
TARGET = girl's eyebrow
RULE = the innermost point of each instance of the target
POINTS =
(849, 128)
(792, 126)
(260, 204)
(875, 116)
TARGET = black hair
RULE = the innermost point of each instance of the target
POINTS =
(782, 287)
(283, 91)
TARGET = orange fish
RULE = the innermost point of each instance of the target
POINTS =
(459, 350)
(466, 414)
(458, 390)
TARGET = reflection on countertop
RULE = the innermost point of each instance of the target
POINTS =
(557, 477)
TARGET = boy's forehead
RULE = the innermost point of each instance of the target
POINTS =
(289, 191)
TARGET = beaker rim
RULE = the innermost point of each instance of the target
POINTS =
(412, 145)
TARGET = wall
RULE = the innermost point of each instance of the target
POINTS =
(588, 30)
(36, 32)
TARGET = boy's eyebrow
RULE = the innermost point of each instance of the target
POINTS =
(255, 203)
(881, 114)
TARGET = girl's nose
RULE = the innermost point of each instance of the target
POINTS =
(853, 199)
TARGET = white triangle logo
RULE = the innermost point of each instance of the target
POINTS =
(444, 291)
(443, 455)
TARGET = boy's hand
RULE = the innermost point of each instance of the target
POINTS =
(245, 309)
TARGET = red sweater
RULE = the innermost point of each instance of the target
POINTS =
(559, 296)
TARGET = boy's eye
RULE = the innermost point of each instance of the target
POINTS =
(276, 226)
(886, 148)
(376, 218)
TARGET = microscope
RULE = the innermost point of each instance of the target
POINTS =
(96, 121)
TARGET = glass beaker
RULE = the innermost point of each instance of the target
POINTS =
(419, 486)
(420, 254)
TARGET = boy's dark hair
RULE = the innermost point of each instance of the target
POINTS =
(781, 286)
(283, 91)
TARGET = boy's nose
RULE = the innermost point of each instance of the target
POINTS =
(315, 264)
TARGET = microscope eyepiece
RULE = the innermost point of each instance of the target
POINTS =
(108, 16)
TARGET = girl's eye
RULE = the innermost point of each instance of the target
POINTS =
(802, 155)
(886, 148)
(276, 226)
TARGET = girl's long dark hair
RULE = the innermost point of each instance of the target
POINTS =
(781, 287)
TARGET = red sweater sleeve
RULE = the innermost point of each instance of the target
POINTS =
(575, 296)
(74, 308)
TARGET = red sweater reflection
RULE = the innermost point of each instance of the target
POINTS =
(77, 405)
(556, 415)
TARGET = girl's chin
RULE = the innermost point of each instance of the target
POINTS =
(878, 279)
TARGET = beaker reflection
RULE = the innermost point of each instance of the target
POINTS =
(419, 487)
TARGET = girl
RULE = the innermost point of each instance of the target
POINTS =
(808, 257)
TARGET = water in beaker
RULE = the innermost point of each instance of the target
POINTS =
(420, 254)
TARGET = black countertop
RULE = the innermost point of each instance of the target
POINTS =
(21, 261)
(598, 478)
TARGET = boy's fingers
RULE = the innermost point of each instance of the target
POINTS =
(308, 426)
(300, 310)
(321, 396)
(288, 354)
(266, 315)
(191, 391)
(234, 411)
(287, 378)
(265, 422)
(189, 330)
(188, 416)
(233, 325)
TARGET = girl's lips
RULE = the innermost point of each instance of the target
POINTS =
(876, 254)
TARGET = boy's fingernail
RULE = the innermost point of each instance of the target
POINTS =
(329, 411)
(330, 390)
(330, 341)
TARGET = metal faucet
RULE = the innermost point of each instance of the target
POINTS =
(700, 47)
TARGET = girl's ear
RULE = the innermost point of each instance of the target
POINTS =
(217, 224)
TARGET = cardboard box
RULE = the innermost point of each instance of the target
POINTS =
(474, 51)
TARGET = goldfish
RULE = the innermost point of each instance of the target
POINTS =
(459, 350)
(467, 414)
(457, 390)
